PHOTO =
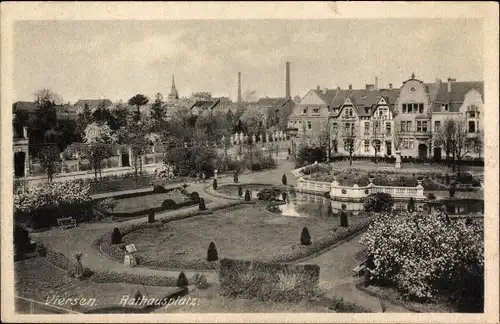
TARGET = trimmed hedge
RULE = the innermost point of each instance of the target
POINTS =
(115, 277)
(268, 281)
(168, 204)
(58, 259)
(321, 244)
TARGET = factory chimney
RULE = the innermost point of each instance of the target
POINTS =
(239, 87)
(287, 81)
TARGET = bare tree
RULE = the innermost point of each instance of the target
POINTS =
(461, 143)
(350, 136)
(397, 135)
(446, 136)
(376, 137)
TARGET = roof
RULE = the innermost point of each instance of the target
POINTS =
(457, 94)
(93, 103)
(271, 102)
(362, 98)
(327, 95)
(205, 104)
(25, 106)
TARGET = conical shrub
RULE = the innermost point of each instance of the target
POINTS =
(235, 178)
(215, 184)
(182, 281)
(247, 195)
(212, 254)
(201, 204)
(283, 195)
(116, 236)
(283, 179)
(344, 222)
(240, 191)
(305, 237)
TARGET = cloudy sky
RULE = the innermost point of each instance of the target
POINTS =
(117, 59)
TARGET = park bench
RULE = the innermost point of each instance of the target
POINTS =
(66, 222)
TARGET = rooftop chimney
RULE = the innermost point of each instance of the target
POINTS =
(369, 87)
(376, 83)
(239, 87)
(350, 87)
(390, 85)
(287, 82)
(338, 88)
(318, 88)
(450, 81)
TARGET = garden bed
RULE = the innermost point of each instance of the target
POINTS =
(261, 236)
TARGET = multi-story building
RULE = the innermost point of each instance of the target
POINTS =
(383, 121)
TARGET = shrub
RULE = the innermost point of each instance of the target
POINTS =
(212, 254)
(344, 222)
(200, 281)
(195, 197)
(159, 189)
(431, 196)
(182, 281)
(247, 195)
(240, 191)
(235, 177)
(169, 204)
(411, 205)
(269, 193)
(427, 256)
(283, 179)
(201, 204)
(215, 184)
(378, 202)
(107, 204)
(116, 236)
(138, 296)
(305, 237)
(116, 277)
(41, 250)
(283, 195)
(22, 240)
(339, 305)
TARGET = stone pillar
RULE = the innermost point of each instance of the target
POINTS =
(61, 156)
(25, 132)
(78, 161)
(119, 153)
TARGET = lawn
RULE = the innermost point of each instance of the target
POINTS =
(37, 279)
(135, 204)
(247, 233)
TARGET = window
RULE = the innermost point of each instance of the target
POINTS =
(410, 108)
(472, 126)
(377, 146)
(421, 108)
(444, 107)
(347, 145)
(304, 111)
(316, 111)
(404, 109)
(367, 128)
(403, 126)
(334, 128)
(387, 128)
(472, 111)
(437, 125)
(309, 126)
(408, 126)
(367, 146)
(376, 127)
(421, 126)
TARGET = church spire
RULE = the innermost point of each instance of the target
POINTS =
(173, 92)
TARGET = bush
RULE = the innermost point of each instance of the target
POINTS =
(41, 250)
(339, 305)
(268, 281)
(138, 296)
(195, 197)
(283, 195)
(201, 204)
(427, 256)
(212, 254)
(378, 202)
(411, 205)
(169, 204)
(269, 193)
(305, 237)
(116, 277)
(116, 236)
(200, 281)
(215, 184)
(235, 177)
(247, 195)
(431, 196)
(240, 191)
(182, 281)
(344, 221)
(22, 240)
(283, 179)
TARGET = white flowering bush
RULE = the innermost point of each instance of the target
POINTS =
(50, 195)
(426, 255)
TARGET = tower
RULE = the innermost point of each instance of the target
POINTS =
(173, 92)
(287, 82)
(239, 87)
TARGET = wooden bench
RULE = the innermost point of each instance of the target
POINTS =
(66, 222)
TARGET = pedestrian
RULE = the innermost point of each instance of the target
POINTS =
(203, 176)
(215, 174)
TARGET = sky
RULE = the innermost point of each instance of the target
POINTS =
(118, 59)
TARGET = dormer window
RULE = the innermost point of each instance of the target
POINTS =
(304, 111)
(472, 111)
(316, 111)
(444, 107)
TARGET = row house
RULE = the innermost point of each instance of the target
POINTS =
(383, 121)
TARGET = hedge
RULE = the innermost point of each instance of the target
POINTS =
(321, 244)
(146, 211)
(268, 281)
(410, 159)
(115, 277)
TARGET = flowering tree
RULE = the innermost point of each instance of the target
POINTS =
(427, 255)
(49, 160)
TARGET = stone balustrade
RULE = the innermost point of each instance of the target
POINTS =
(356, 192)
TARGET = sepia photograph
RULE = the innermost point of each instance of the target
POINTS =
(159, 163)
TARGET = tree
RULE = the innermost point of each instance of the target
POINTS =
(251, 119)
(397, 135)
(305, 237)
(350, 138)
(99, 140)
(158, 114)
(378, 202)
(461, 144)
(135, 136)
(84, 119)
(49, 160)
(138, 100)
(446, 137)
(212, 254)
(376, 137)
(121, 115)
